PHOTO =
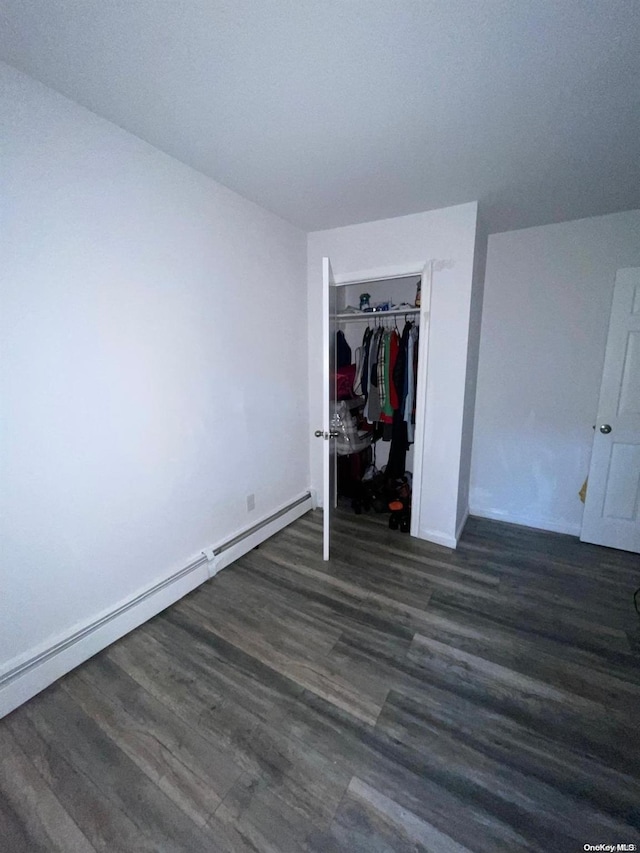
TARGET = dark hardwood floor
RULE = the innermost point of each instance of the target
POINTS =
(402, 697)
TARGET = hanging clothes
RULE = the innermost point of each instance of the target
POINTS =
(366, 343)
(383, 359)
(391, 346)
(386, 375)
(357, 379)
(373, 408)
(400, 370)
(343, 350)
(397, 464)
(409, 411)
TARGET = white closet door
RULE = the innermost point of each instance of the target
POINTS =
(329, 328)
(612, 507)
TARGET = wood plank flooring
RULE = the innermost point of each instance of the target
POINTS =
(402, 697)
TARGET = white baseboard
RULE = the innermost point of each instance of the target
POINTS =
(528, 521)
(438, 538)
(24, 678)
(445, 539)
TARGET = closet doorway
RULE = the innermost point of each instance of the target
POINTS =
(375, 361)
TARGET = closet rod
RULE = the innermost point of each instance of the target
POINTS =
(374, 315)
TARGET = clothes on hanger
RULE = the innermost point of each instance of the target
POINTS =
(391, 346)
(411, 375)
(357, 380)
(386, 375)
(366, 341)
(373, 407)
(343, 350)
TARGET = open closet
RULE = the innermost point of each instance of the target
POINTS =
(377, 344)
(385, 260)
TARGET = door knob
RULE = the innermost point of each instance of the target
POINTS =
(605, 428)
(321, 434)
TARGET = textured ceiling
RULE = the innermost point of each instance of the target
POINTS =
(331, 112)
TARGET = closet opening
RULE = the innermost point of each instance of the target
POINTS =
(377, 344)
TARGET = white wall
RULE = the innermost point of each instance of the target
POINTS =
(392, 245)
(547, 301)
(154, 368)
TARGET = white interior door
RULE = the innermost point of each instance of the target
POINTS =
(329, 328)
(612, 507)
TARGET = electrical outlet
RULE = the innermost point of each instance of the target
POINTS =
(251, 502)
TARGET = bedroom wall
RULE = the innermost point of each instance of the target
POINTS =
(547, 301)
(149, 319)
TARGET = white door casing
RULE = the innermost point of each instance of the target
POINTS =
(612, 507)
(421, 393)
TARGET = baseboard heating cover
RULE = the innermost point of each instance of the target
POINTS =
(227, 552)
(24, 679)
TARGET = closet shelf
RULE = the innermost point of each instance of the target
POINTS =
(355, 316)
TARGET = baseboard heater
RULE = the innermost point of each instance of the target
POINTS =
(80, 635)
(103, 627)
(257, 527)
